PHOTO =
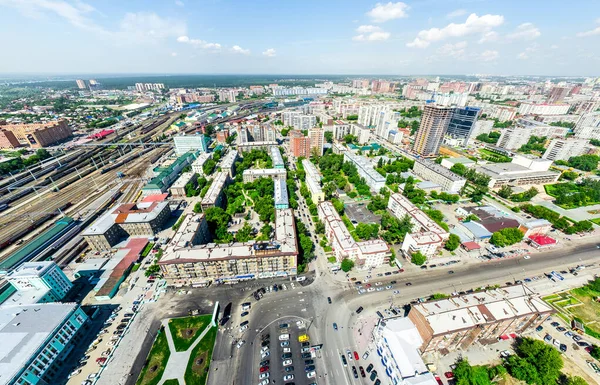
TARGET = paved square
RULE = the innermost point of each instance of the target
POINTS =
(358, 212)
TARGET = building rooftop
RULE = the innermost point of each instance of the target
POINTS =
(188, 228)
(157, 181)
(183, 180)
(277, 158)
(141, 212)
(265, 172)
(537, 223)
(228, 160)
(340, 232)
(500, 171)
(366, 166)
(281, 193)
(439, 169)
(460, 160)
(155, 197)
(426, 223)
(23, 335)
(202, 158)
(31, 269)
(478, 231)
(215, 188)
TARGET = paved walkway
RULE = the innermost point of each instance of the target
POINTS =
(178, 361)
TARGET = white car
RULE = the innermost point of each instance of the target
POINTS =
(371, 289)
(243, 328)
(265, 354)
(288, 377)
(312, 374)
(287, 362)
(380, 289)
(264, 349)
(263, 375)
(74, 373)
(92, 376)
(287, 350)
(526, 257)
(264, 382)
(240, 344)
(396, 291)
(378, 284)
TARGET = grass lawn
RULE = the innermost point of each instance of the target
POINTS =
(197, 368)
(596, 221)
(578, 303)
(572, 187)
(494, 157)
(331, 260)
(135, 267)
(172, 382)
(156, 362)
(185, 330)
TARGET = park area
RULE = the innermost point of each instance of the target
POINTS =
(185, 330)
(572, 195)
(156, 362)
(196, 372)
(579, 304)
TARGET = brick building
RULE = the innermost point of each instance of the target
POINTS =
(35, 135)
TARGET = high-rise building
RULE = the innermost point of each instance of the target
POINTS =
(304, 122)
(227, 96)
(81, 84)
(317, 138)
(588, 126)
(563, 149)
(299, 144)
(434, 123)
(462, 123)
(34, 135)
(557, 94)
(44, 280)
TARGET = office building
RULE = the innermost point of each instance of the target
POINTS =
(81, 84)
(563, 149)
(313, 181)
(426, 236)
(34, 135)
(365, 254)
(215, 196)
(440, 175)
(281, 195)
(165, 176)
(276, 158)
(365, 169)
(521, 171)
(37, 341)
(198, 164)
(143, 219)
(190, 143)
(434, 123)
(198, 264)
(543, 109)
(178, 189)
(484, 317)
(251, 175)
(228, 162)
(316, 138)
(588, 126)
(299, 144)
(37, 282)
(398, 343)
(462, 124)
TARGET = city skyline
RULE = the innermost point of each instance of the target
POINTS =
(352, 38)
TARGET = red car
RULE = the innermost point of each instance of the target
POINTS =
(356, 356)
(264, 369)
(368, 285)
(588, 349)
(101, 361)
(439, 380)
(449, 375)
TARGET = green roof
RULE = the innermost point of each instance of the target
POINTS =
(34, 247)
(156, 182)
(180, 124)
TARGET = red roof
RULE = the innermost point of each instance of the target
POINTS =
(504, 337)
(542, 240)
(155, 198)
(470, 245)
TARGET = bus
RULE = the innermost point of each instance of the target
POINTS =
(556, 277)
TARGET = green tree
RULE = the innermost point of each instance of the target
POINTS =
(319, 227)
(285, 131)
(545, 359)
(505, 191)
(595, 351)
(328, 136)
(465, 374)
(352, 117)
(244, 234)
(349, 139)
(506, 237)
(452, 243)
(347, 265)
(569, 175)
(209, 166)
(151, 270)
(418, 258)
(575, 380)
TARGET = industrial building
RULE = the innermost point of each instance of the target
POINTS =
(37, 340)
(141, 219)
(313, 181)
(251, 175)
(365, 254)
(33, 135)
(440, 175)
(190, 262)
(214, 195)
(484, 317)
(365, 169)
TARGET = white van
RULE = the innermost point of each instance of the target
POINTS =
(300, 279)
(284, 337)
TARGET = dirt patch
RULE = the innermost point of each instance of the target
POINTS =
(200, 363)
(572, 369)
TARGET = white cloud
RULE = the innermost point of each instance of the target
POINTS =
(595, 31)
(522, 56)
(270, 52)
(173, 54)
(238, 49)
(554, 46)
(370, 33)
(179, 3)
(525, 31)
(149, 27)
(473, 25)
(456, 13)
(488, 37)
(456, 51)
(199, 43)
(386, 12)
(489, 55)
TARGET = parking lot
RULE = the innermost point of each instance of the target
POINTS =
(279, 351)
(358, 213)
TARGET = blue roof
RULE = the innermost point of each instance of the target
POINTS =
(478, 231)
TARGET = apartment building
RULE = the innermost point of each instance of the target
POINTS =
(251, 175)
(195, 263)
(434, 124)
(563, 149)
(227, 95)
(362, 133)
(33, 135)
(276, 158)
(228, 162)
(214, 196)
(281, 195)
(198, 164)
(484, 317)
(588, 126)
(266, 146)
(365, 254)
(426, 236)
(299, 144)
(316, 137)
(366, 170)
(177, 190)
(515, 137)
(440, 175)
(340, 129)
(141, 219)
(313, 181)
(544, 109)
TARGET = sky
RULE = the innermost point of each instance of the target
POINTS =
(495, 37)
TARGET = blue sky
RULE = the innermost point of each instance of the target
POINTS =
(499, 37)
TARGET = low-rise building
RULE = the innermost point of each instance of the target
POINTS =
(251, 175)
(537, 226)
(484, 317)
(313, 181)
(143, 219)
(277, 158)
(214, 195)
(193, 263)
(521, 171)
(365, 254)
(440, 175)
(197, 165)
(165, 176)
(37, 340)
(449, 162)
(177, 190)
(365, 169)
